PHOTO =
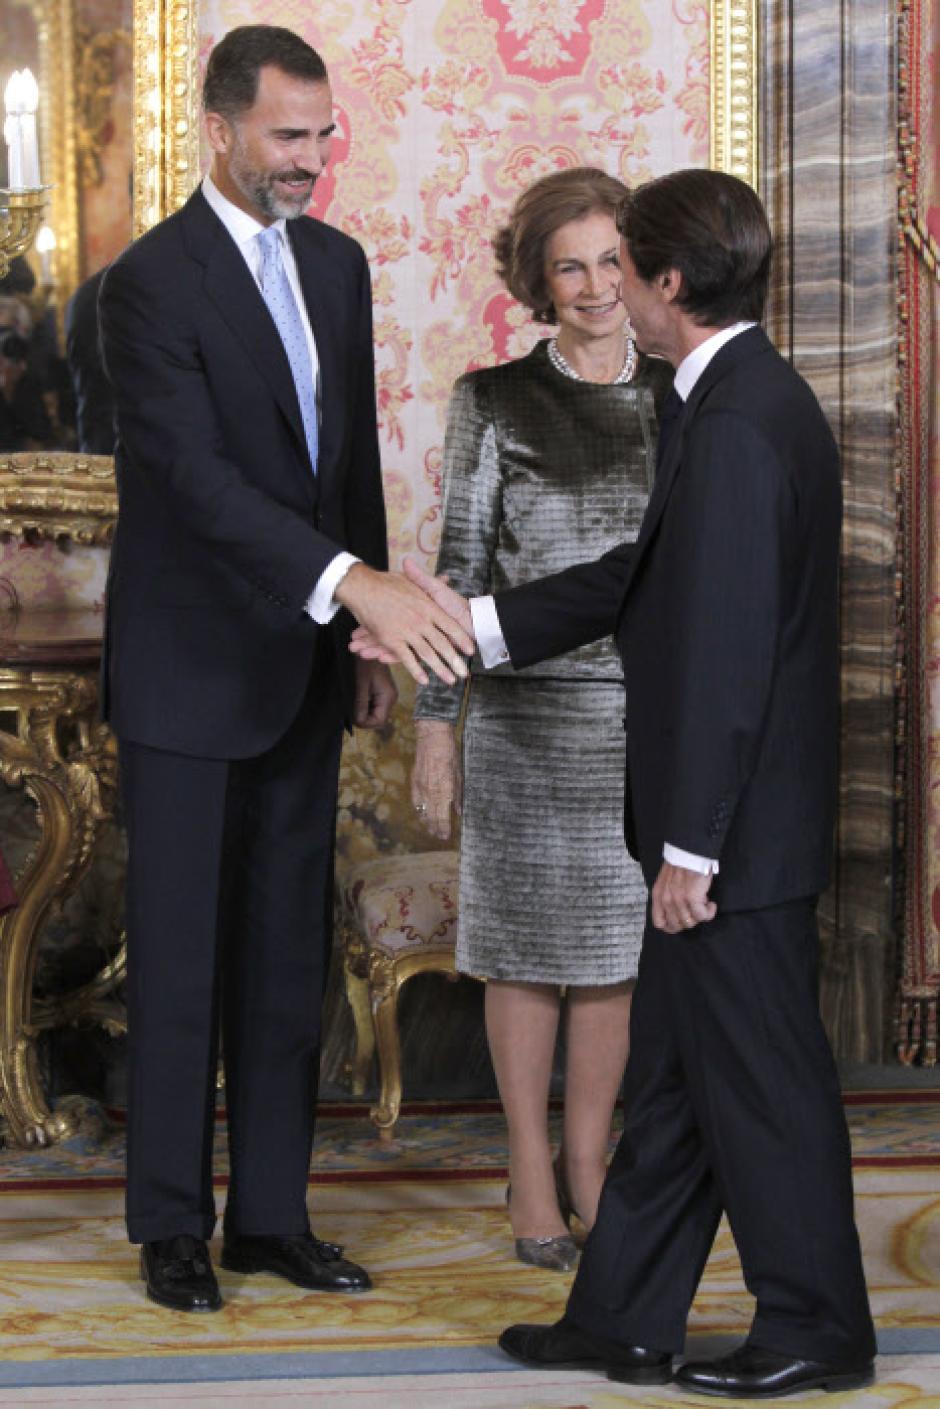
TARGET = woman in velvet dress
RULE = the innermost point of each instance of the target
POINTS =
(548, 461)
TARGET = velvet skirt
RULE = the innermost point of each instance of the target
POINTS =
(548, 893)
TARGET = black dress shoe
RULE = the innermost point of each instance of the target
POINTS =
(300, 1257)
(179, 1274)
(565, 1346)
(752, 1373)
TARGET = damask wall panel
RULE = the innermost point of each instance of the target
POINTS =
(446, 109)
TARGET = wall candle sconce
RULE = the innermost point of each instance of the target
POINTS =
(21, 204)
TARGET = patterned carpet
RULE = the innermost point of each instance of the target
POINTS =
(426, 1215)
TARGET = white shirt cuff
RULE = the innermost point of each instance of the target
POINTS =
(321, 604)
(689, 861)
(487, 632)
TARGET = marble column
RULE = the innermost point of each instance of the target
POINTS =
(828, 176)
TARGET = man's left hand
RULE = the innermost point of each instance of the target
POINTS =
(376, 693)
(680, 899)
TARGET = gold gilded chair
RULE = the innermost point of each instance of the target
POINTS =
(398, 918)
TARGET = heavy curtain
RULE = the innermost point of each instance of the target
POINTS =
(919, 519)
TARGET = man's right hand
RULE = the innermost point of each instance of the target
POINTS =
(405, 625)
(440, 592)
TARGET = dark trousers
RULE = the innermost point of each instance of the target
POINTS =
(229, 902)
(732, 1104)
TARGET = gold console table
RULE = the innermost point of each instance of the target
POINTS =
(53, 747)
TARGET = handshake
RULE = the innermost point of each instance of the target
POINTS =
(410, 619)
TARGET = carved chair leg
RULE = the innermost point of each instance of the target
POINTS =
(73, 797)
(357, 995)
(385, 1017)
(26, 1112)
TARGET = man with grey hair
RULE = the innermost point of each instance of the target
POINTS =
(238, 339)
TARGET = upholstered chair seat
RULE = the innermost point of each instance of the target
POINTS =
(398, 918)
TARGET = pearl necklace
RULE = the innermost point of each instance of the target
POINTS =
(561, 365)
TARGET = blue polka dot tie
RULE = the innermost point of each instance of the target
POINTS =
(282, 305)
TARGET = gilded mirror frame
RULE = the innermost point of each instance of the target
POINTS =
(166, 79)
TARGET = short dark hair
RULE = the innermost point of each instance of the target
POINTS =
(714, 230)
(235, 64)
(542, 208)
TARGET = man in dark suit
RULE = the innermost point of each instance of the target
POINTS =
(725, 611)
(238, 340)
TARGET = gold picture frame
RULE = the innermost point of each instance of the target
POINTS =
(166, 108)
(733, 129)
(166, 101)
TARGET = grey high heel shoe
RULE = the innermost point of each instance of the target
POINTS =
(555, 1254)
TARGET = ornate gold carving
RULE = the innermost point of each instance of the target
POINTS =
(387, 977)
(734, 84)
(67, 763)
(93, 1002)
(20, 218)
(95, 94)
(58, 497)
(166, 146)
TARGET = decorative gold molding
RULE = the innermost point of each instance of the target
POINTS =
(166, 136)
(734, 88)
(62, 496)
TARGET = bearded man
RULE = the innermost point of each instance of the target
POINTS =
(238, 340)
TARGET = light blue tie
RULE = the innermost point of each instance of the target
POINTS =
(282, 305)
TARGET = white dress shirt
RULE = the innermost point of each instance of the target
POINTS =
(486, 628)
(244, 230)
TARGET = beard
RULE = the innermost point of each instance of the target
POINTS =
(259, 188)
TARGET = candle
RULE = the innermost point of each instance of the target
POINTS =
(45, 244)
(29, 102)
(12, 133)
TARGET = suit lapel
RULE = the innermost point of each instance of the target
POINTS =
(325, 317)
(744, 345)
(229, 284)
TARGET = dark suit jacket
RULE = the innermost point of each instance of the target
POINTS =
(223, 528)
(725, 612)
(94, 399)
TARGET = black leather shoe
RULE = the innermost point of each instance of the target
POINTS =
(752, 1373)
(179, 1274)
(300, 1257)
(565, 1346)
